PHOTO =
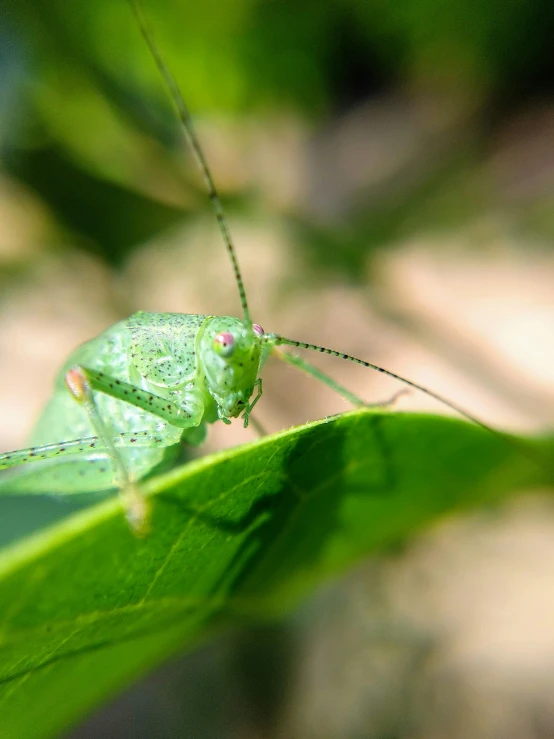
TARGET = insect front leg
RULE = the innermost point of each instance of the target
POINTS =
(83, 457)
(185, 414)
(134, 502)
(83, 382)
(46, 451)
(248, 411)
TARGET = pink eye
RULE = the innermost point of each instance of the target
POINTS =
(257, 329)
(224, 344)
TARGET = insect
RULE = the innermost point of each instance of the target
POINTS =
(124, 402)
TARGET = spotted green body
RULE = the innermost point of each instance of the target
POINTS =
(160, 356)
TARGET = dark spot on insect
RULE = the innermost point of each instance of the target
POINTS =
(117, 382)
(111, 385)
(102, 469)
(43, 456)
(8, 456)
(241, 364)
(150, 398)
(82, 473)
(132, 440)
(92, 445)
(134, 390)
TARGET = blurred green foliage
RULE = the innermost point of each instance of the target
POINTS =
(486, 48)
(85, 104)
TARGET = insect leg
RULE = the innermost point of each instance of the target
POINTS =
(135, 504)
(248, 411)
(8, 460)
(82, 381)
(309, 369)
(46, 451)
(182, 416)
(72, 466)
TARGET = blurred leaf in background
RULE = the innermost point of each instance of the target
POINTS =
(93, 130)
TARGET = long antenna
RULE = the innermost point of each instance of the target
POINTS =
(194, 143)
(519, 445)
(277, 340)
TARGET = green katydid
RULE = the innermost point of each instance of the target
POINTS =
(154, 381)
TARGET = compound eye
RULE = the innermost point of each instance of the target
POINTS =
(257, 329)
(224, 344)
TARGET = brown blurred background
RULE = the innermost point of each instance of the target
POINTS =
(388, 171)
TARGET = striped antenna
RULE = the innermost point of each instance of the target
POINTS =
(194, 143)
(543, 461)
(276, 340)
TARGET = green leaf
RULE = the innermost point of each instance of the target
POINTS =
(239, 536)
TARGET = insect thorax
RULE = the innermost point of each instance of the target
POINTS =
(170, 350)
(175, 352)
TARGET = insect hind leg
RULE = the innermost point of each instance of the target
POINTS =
(9, 460)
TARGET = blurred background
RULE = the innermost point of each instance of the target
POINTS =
(388, 172)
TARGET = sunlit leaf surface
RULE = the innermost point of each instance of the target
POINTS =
(241, 536)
